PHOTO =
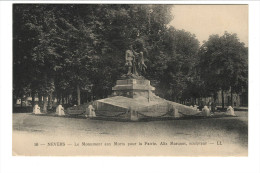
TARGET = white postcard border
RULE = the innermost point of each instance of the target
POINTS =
(10, 163)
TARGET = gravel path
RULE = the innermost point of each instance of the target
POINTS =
(231, 132)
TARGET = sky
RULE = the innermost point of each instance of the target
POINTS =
(205, 20)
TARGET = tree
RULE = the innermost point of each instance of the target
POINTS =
(180, 49)
(78, 50)
(24, 39)
(35, 27)
(224, 64)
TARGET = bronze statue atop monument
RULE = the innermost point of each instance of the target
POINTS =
(134, 63)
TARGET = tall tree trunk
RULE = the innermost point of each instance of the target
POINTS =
(231, 91)
(48, 106)
(45, 104)
(33, 99)
(21, 102)
(70, 99)
(40, 100)
(62, 99)
(50, 101)
(58, 98)
(215, 97)
(222, 95)
(14, 100)
(78, 94)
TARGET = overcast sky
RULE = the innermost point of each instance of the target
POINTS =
(205, 20)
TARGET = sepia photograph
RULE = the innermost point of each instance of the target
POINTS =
(130, 80)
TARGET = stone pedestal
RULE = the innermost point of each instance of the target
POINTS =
(173, 111)
(206, 111)
(132, 88)
(60, 111)
(36, 109)
(230, 111)
(90, 112)
(133, 114)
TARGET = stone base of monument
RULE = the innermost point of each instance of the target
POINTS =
(134, 100)
(133, 88)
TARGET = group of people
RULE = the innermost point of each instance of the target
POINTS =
(211, 106)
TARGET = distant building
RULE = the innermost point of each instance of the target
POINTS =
(239, 100)
(26, 102)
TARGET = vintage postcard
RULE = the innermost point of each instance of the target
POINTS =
(130, 80)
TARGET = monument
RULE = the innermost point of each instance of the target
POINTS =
(133, 97)
(132, 84)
